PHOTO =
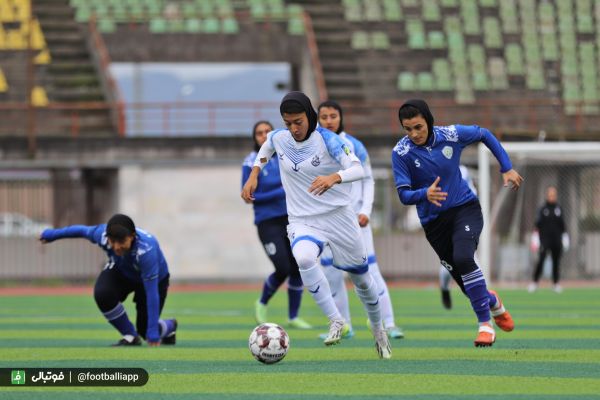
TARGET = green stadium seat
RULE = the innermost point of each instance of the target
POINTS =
(406, 81)
(492, 35)
(211, 25)
(514, 59)
(508, 16)
(470, 15)
(442, 74)
(230, 26)
(416, 33)
(585, 21)
(107, 26)
(410, 3)
(431, 10)
(534, 77)
(296, 26)
(360, 40)
(380, 40)
(193, 25)
(436, 40)
(392, 10)
(372, 10)
(425, 81)
(488, 3)
(352, 10)
(449, 3)
(158, 25)
(498, 78)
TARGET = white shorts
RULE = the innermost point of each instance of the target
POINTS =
(339, 230)
(367, 235)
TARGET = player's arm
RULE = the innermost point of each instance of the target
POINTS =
(470, 134)
(262, 158)
(368, 194)
(149, 268)
(351, 171)
(403, 181)
(72, 231)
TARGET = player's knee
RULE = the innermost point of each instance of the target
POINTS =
(105, 298)
(465, 262)
(305, 262)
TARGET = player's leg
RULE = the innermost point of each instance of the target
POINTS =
(167, 327)
(468, 224)
(110, 290)
(295, 289)
(335, 277)
(307, 244)
(445, 287)
(537, 273)
(350, 254)
(385, 302)
(272, 234)
(556, 251)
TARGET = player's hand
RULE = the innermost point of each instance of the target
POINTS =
(512, 179)
(363, 220)
(154, 344)
(321, 184)
(435, 194)
(249, 188)
(44, 241)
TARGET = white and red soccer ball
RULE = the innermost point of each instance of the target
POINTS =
(269, 343)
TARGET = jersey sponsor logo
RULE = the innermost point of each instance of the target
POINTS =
(417, 163)
(270, 248)
(447, 151)
(446, 265)
(315, 161)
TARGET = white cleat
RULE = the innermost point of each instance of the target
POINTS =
(382, 343)
(337, 329)
(532, 287)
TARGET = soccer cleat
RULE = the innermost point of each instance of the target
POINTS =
(394, 332)
(532, 287)
(136, 341)
(348, 335)
(446, 299)
(486, 336)
(382, 343)
(502, 317)
(171, 338)
(260, 312)
(299, 323)
(337, 329)
(557, 288)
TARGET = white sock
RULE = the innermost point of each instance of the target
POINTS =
(366, 289)
(306, 253)
(387, 311)
(335, 277)
(129, 338)
(444, 278)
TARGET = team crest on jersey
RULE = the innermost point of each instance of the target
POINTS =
(315, 161)
(346, 149)
(447, 151)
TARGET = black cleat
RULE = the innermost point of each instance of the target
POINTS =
(124, 342)
(446, 299)
(171, 338)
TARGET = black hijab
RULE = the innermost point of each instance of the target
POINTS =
(423, 108)
(303, 101)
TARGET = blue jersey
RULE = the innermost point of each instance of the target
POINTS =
(416, 167)
(269, 196)
(144, 263)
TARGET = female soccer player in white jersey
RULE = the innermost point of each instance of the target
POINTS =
(315, 166)
(331, 117)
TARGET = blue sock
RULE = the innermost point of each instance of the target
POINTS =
(295, 288)
(493, 300)
(477, 292)
(269, 288)
(118, 318)
(166, 327)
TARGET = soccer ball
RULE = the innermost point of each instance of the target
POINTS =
(269, 343)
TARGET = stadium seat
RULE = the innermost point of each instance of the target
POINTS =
(470, 16)
(508, 16)
(392, 10)
(158, 25)
(449, 3)
(360, 40)
(431, 10)
(488, 3)
(416, 33)
(3, 83)
(514, 59)
(39, 97)
(492, 35)
(352, 10)
(373, 11)
(425, 81)
(211, 25)
(193, 25)
(406, 81)
(498, 78)
(436, 40)
(380, 40)
(230, 26)
(442, 74)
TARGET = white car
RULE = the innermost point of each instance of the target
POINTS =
(15, 224)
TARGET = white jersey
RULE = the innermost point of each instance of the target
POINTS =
(363, 191)
(323, 153)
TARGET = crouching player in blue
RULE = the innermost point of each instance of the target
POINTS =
(426, 173)
(135, 264)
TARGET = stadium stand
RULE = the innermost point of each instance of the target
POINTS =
(373, 53)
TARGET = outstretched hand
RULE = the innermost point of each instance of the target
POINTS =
(435, 194)
(321, 184)
(512, 179)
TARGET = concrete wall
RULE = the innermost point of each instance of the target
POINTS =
(184, 207)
